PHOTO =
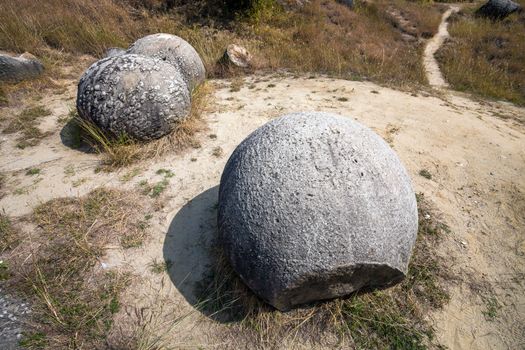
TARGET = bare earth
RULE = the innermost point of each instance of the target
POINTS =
(475, 152)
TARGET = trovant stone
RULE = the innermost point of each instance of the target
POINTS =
(314, 206)
(174, 50)
(140, 96)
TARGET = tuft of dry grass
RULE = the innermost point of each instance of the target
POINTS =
(9, 236)
(388, 319)
(26, 124)
(123, 151)
(73, 300)
(493, 51)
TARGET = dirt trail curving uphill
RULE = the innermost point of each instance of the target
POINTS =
(434, 76)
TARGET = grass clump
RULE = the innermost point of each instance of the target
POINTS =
(9, 236)
(492, 307)
(493, 51)
(32, 172)
(387, 319)
(26, 123)
(121, 151)
(425, 173)
(73, 300)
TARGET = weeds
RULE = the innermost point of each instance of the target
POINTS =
(26, 124)
(389, 319)
(425, 173)
(32, 172)
(160, 267)
(492, 307)
(73, 301)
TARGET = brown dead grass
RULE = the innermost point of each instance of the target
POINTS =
(389, 319)
(58, 269)
(486, 57)
(322, 37)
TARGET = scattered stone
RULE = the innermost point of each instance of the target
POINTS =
(498, 9)
(176, 51)
(314, 206)
(139, 96)
(16, 69)
(348, 3)
(13, 314)
(115, 51)
(237, 56)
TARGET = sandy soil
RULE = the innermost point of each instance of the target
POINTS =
(475, 152)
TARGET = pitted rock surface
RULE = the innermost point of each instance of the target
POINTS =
(314, 206)
(26, 66)
(176, 51)
(140, 96)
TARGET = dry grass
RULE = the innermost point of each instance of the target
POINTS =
(9, 236)
(486, 57)
(390, 319)
(26, 124)
(73, 300)
(123, 151)
(322, 37)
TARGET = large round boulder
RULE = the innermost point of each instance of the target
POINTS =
(139, 96)
(174, 50)
(314, 206)
(15, 69)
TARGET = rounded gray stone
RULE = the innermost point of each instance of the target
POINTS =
(139, 96)
(314, 206)
(16, 69)
(174, 50)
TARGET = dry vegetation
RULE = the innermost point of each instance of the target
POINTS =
(486, 57)
(26, 125)
(390, 319)
(322, 37)
(57, 270)
(120, 150)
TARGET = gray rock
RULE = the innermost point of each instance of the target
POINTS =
(115, 51)
(176, 51)
(498, 9)
(314, 206)
(140, 96)
(348, 3)
(15, 69)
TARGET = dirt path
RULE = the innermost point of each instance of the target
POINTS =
(476, 159)
(435, 78)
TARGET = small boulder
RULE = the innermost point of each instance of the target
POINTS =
(237, 56)
(314, 206)
(173, 50)
(15, 69)
(114, 51)
(347, 3)
(498, 9)
(139, 96)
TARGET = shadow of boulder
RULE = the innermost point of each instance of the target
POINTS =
(71, 137)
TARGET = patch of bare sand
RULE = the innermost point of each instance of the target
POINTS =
(475, 156)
